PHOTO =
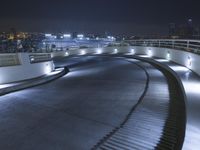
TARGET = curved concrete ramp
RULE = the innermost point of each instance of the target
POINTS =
(103, 102)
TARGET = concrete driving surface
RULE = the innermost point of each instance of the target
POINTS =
(102, 103)
(75, 111)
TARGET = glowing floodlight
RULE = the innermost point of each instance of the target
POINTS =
(168, 55)
(80, 36)
(66, 54)
(99, 51)
(47, 69)
(149, 53)
(132, 51)
(115, 51)
(83, 52)
(111, 38)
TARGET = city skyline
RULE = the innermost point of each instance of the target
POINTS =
(119, 17)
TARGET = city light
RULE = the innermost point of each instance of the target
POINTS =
(48, 35)
(67, 35)
(115, 51)
(80, 36)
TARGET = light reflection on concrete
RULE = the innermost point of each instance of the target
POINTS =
(144, 56)
(162, 60)
(192, 89)
(6, 85)
(179, 68)
(192, 141)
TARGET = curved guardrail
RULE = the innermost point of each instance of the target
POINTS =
(39, 57)
(186, 45)
(9, 60)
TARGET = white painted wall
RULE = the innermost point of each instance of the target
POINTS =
(177, 56)
(25, 70)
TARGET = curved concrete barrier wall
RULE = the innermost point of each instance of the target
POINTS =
(184, 58)
(25, 70)
(190, 60)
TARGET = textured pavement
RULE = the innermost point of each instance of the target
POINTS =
(75, 111)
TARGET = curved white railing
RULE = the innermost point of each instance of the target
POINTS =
(182, 52)
(39, 57)
(186, 45)
(9, 60)
(22, 66)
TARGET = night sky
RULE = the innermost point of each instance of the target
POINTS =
(97, 16)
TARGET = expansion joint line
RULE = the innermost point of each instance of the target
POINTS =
(131, 111)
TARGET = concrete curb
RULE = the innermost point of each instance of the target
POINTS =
(32, 83)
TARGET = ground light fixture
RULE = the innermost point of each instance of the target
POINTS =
(115, 51)
(132, 51)
(66, 54)
(47, 68)
(99, 51)
(80, 36)
(189, 62)
(149, 52)
(83, 52)
(168, 55)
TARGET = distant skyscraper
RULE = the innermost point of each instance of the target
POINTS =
(183, 30)
(190, 23)
(172, 29)
(196, 33)
(190, 28)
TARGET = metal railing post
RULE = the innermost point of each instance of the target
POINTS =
(173, 44)
(188, 45)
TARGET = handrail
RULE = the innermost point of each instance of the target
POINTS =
(9, 60)
(185, 45)
(39, 57)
